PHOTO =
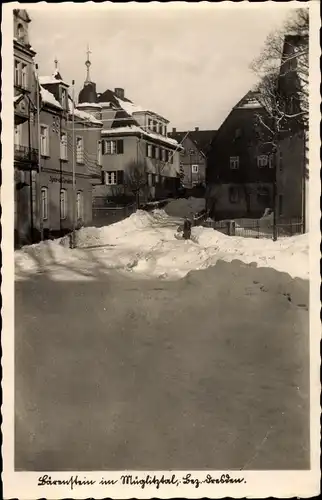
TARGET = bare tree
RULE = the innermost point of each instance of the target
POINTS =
(135, 178)
(283, 71)
(285, 58)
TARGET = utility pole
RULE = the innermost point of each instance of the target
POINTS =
(40, 211)
(275, 194)
(73, 165)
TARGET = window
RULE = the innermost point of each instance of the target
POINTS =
(44, 140)
(262, 161)
(20, 32)
(63, 97)
(149, 150)
(195, 169)
(149, 123)
(24, 76)
(17, 138)
(160, 128)
(165, 130)
(263, 193)
(99, 152)
(155, 125)
(79, 150)
(63, 146)
(79, 205)
(44, 203)
(63, 204)
(233, 195)
(110, 178)
(113, 147)
(17, 77)
(234, 162)
(153, 151)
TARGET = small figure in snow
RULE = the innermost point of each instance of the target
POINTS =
(187, 229)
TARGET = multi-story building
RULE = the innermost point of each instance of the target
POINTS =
(240, 170)
(69, 147)
(135, 146)
(25, 137)
(48, 193)
(193, 157)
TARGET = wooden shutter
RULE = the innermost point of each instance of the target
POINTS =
(103, 147)
(120, 177)
(103, 176)
(119, 147)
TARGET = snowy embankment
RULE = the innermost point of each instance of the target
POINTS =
(147, 245)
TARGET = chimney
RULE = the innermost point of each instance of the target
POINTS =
(119, 93)
(196, 129)
(174, 130)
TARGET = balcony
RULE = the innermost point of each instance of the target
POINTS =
(25, 156)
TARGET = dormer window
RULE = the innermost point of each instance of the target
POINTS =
(20, 33)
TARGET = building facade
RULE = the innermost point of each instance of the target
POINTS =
(49, 144)
(240, 169)
(25, 136)
(70, 157)
(193, 157)
(135, 147)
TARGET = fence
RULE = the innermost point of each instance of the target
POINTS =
(256, 228)
(104, 216)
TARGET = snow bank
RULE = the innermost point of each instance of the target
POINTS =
(146, 244)
(183, 207)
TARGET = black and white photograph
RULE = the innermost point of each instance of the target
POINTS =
(160, 213)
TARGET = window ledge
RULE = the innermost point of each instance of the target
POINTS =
(45, 155)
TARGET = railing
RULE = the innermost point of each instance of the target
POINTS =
(257, 228)
(104, 216)
(25, 154)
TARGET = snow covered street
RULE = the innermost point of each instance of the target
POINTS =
(145, 245)
(119, 369)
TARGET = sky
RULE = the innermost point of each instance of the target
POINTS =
(186, 62)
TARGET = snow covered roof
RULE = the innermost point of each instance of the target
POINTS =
(54, 78)
(87, 117)
(129, 107)
(134, 129)
(250, 101)
(89, 105)
(48, 98)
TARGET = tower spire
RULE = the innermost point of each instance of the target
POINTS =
(88, 65)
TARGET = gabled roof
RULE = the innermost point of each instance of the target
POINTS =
(249, 101)
(23, 14)
(200, 138)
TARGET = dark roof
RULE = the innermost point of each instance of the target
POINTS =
(122, 118)
(88, 93)
(201, 138)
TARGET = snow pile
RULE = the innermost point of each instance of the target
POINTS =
(183, 207)
(147, 244)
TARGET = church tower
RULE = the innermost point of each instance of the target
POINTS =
(87, 98)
